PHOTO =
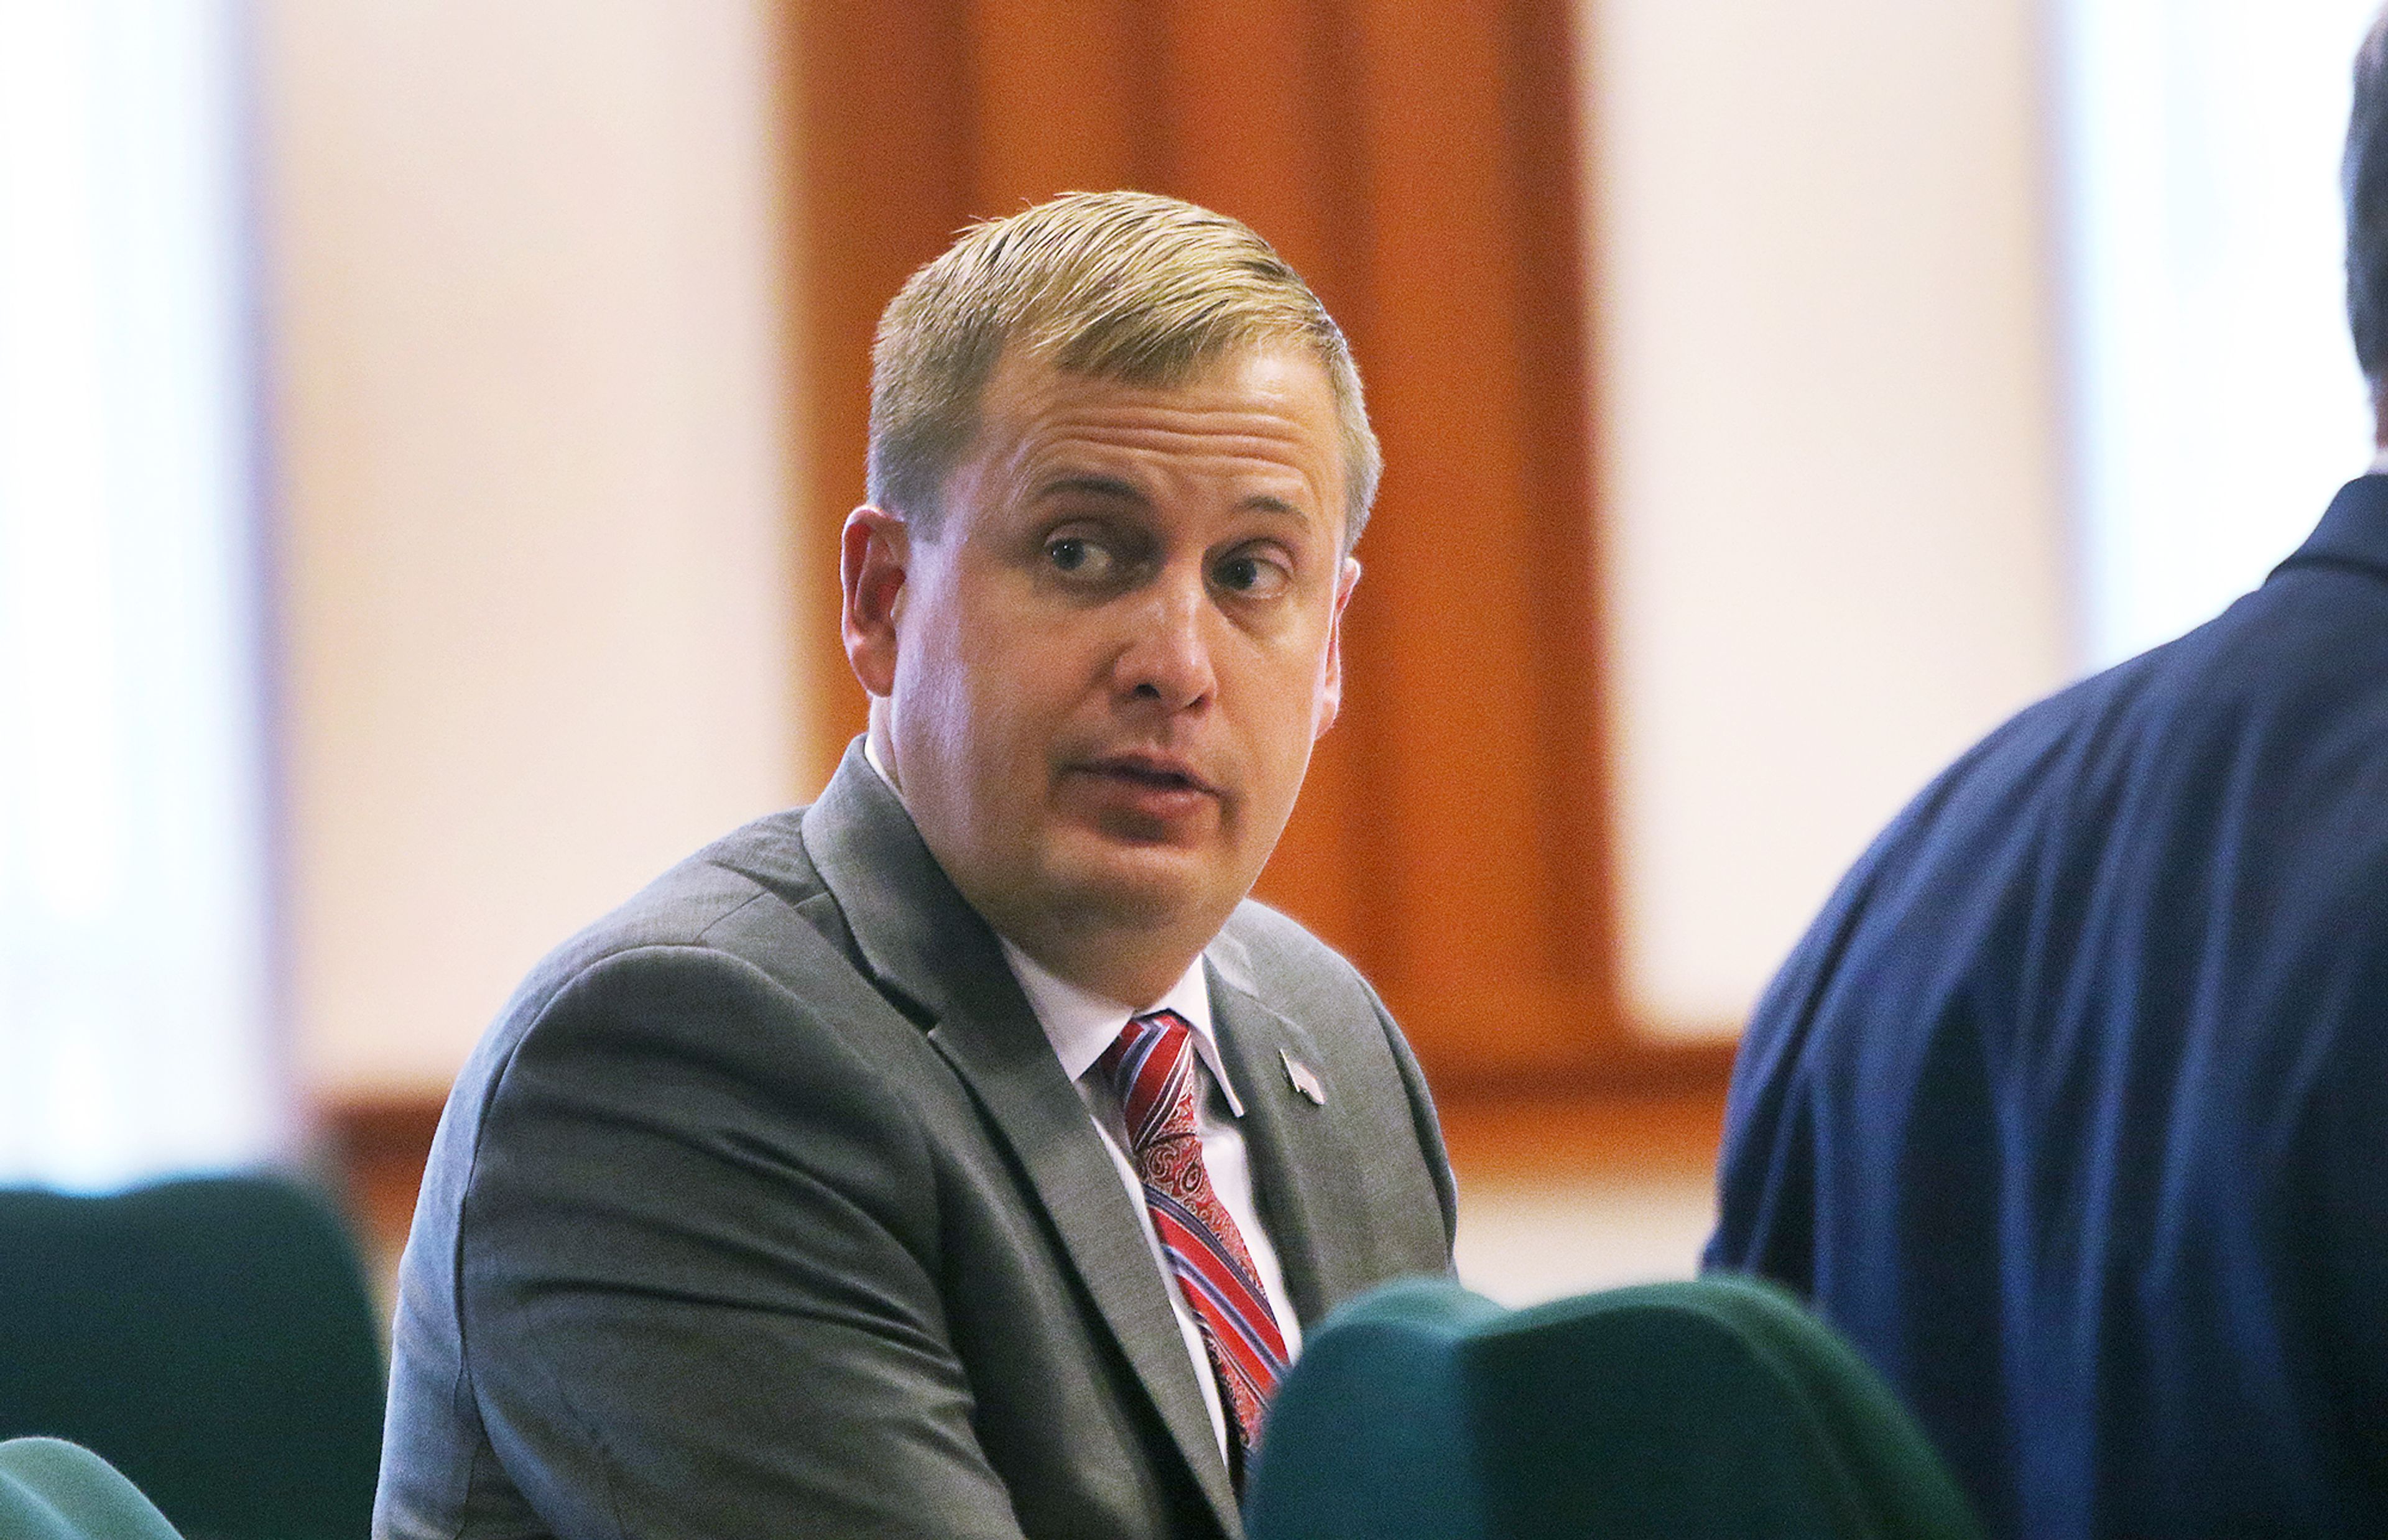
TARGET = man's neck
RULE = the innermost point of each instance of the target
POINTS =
(1131, 967)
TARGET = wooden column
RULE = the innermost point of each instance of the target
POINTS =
(887, 137)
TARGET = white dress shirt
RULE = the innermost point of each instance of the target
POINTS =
(1080, 1025)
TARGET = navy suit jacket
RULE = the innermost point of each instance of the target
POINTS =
(2071, 1107)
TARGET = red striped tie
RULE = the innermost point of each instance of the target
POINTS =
(1154, 1074)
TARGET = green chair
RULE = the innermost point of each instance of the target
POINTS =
(1684, 1411)
(53, 1490)
(211, 1338)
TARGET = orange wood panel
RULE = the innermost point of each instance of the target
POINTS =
(1251, 100)
(1576, 817)
(1656, 1131)
(1460, 674)
(886, 149)
(1061, 91)
(378, 1146)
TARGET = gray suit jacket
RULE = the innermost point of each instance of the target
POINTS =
(765, 1209)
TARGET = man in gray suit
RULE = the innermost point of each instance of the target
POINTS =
(965, 1155)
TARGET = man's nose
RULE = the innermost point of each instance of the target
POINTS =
(1167, 653)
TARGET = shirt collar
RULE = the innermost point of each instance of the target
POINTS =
(871, 753)
(1080, 1024)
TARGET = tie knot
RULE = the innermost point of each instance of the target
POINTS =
(1147, 1065)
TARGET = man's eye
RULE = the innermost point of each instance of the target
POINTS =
(1251, 575)
(1074, 554)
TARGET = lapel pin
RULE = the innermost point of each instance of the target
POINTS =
(1300, 1076)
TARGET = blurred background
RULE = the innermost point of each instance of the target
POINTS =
(423, 428)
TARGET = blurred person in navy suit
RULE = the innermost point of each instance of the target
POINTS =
(2072, 1106)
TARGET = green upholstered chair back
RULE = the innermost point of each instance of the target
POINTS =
(52, 1490)
(1679, 1410)
(211, 1338)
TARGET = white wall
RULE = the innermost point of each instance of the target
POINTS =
(1831, 482)
(524, 269)
(2216, 387)
(136, 989)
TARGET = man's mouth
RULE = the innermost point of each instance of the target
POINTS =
(1151, 772)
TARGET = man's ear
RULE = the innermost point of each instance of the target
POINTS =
(1331, 678)
(874, 552)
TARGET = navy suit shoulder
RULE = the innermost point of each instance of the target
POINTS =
(2070, 1107)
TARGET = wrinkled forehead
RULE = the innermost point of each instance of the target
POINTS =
(1259, 412)
(1267, 369)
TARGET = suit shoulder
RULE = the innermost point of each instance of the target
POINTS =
(734, 964)
(1275, 952)
(1324, 1004)
(1275, 960)
(763, 859)
(756, 878)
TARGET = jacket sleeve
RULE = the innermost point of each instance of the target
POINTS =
(696, 1269)
(1424, 1122)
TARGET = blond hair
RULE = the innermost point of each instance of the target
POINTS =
(1128, 287)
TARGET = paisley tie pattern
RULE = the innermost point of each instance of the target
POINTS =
(1152, 1068)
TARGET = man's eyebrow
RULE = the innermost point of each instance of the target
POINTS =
(1097, 485)
(1088, 484)
(1261, 502)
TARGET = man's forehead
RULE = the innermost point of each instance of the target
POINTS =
(1021, 372)
(1275, 402)
(1030, 410)
(1068, 483)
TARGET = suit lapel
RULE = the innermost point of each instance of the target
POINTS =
(923, 941)
(1302, 1165)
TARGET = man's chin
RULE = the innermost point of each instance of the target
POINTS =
(1142, 887)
